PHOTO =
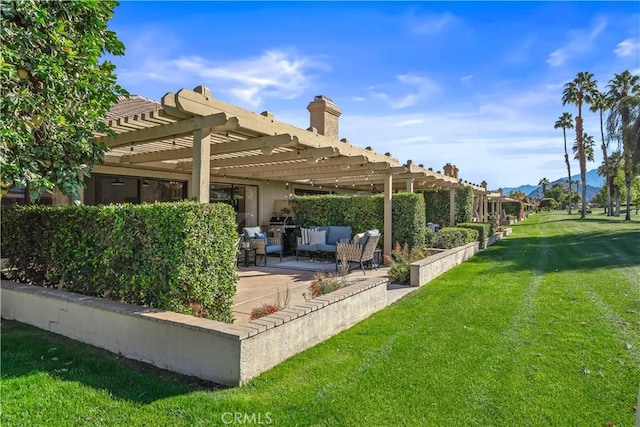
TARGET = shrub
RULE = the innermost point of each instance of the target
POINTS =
(429, 238)
(267, 309)
(173, 256)
(452, 237)
(548, 203)
(401, 258)
(364, 212)
(324, 283)
(484, 229)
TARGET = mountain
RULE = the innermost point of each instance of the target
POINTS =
(594, 182)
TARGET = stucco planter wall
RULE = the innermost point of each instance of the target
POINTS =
(429, 268)
(214, 351)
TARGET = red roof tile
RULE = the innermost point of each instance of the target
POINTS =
(135, 104)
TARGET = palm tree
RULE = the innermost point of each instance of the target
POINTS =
(544, 182)
(599, 103)
(615, 163)
(577, 91)
(565, 121)
(623, 88)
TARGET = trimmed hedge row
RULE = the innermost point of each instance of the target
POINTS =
(172, 256)
(452, 237)
(365, 212)
(464, 205)
(484, 229)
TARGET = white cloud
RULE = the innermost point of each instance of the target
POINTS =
(580, 41)
(274, 74)
(504, 136)
(628, 47)
(466, 79)
(432, 24)
(419, 87)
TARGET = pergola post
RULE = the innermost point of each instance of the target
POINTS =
(388, 184)
(200, 175)
(485, 217)
(410, 185)
(452, 207)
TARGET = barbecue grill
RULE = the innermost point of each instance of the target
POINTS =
(283, 225)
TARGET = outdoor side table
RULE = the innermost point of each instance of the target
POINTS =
(247, 258)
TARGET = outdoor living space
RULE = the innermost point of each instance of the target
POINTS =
(264, 285)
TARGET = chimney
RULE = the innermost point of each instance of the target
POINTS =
(455, 171)
(324, 116)
(448, 169)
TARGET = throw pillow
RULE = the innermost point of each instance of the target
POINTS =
(306, 236)
(317, 237)
(357, 238)
(262, 235)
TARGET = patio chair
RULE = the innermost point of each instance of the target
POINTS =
(351, 252)
(267, 246)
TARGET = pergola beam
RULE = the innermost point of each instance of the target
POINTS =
(299, 165)
(325, 172)
(216, 149)
(302, 154)
(219, 122)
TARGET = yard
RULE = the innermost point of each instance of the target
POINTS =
(543, 328)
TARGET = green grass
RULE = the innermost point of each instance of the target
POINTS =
(533, 331)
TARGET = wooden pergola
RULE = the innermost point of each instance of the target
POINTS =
(193, 133)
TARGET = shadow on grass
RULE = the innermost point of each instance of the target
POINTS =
(28, 352)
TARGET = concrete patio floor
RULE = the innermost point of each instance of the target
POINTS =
(259, 285)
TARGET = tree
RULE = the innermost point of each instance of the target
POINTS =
(588, 144)
(543, 183)
(623, 93)
(600, 103)
(578, 91)
(565, 121)
(55, 91)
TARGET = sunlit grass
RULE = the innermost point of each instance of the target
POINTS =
(542, 328)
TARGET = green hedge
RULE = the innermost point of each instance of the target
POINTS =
(173, 256)
(365, 212)
(437, 206)
(513, 209)
(484, 229)
(464, 205)
(452, 237)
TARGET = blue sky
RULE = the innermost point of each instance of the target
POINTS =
(471, 83)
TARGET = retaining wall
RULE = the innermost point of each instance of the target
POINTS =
(211, 350)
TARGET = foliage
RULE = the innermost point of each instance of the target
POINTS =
(548, 203)
(364, 212)
(484, 229)
(437, 206)
(324, 283)
(55, 91)
(452, 237)
(464, 205)
(565, 121)
(623, 124)
(513, 208)
(269, 308)
(174, 256)
(578, 91)
(429, 238)
(401, 259)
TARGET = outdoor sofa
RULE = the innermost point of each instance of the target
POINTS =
(322, 239)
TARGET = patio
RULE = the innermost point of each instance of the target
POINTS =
(259, 284)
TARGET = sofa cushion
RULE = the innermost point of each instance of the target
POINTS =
(272, 248)
(324, 247)
(250, 232)
(307, 248)
(337, 232)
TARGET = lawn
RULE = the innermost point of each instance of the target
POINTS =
(543, 328)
